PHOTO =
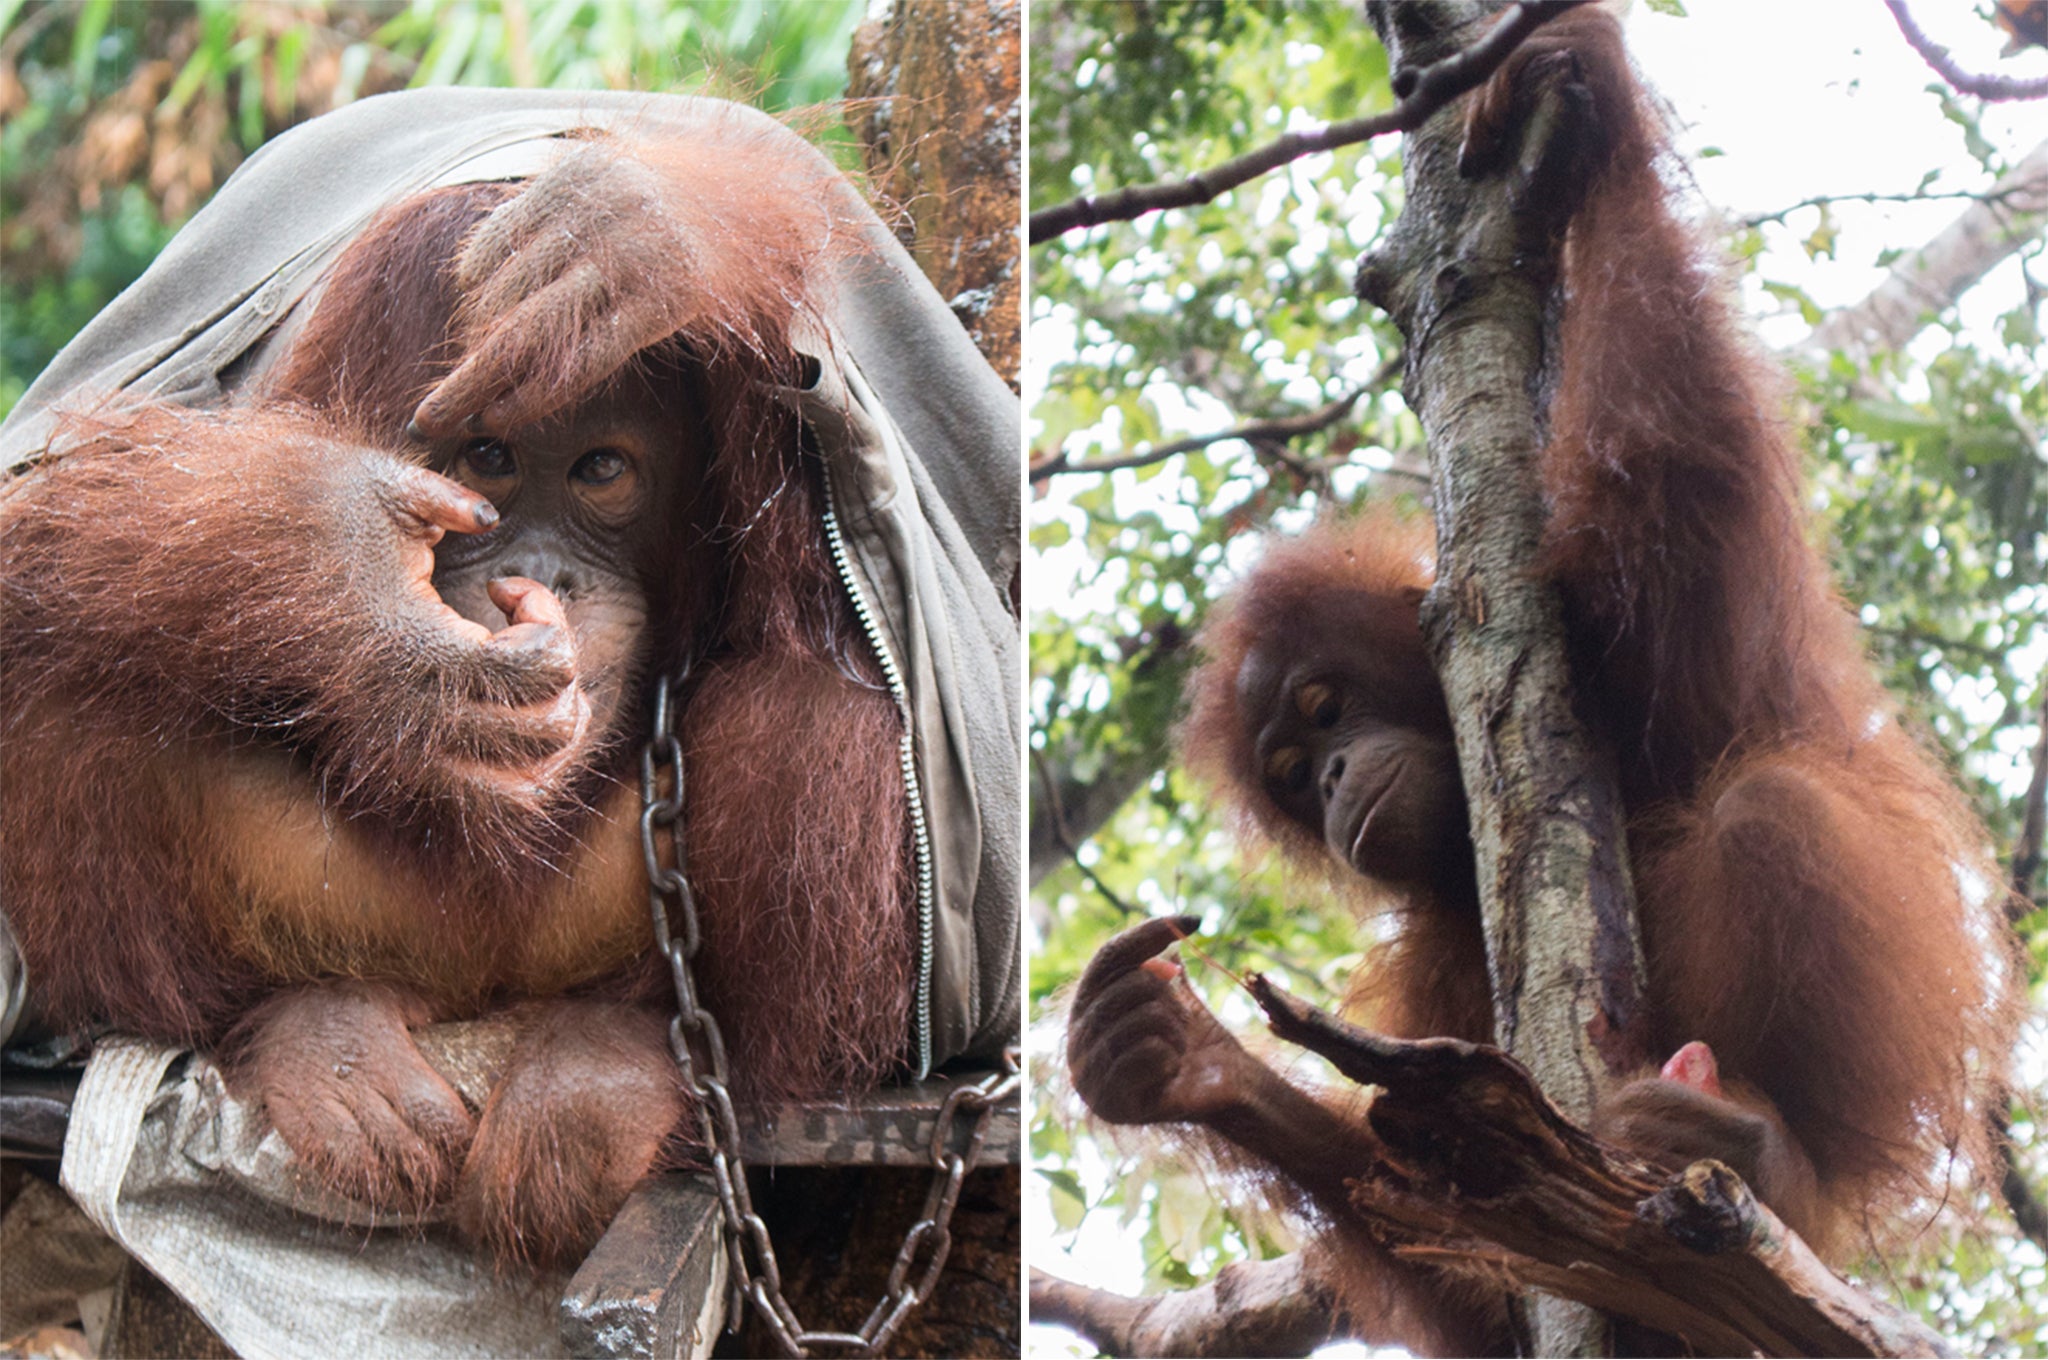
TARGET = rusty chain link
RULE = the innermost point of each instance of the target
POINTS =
(699, 1049)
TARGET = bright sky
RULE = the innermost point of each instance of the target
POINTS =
(1806, 98)
(1826, 97)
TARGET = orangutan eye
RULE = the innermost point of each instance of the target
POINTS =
(490, 459)
(1287, 769)
(599, 467)
(1318, 703)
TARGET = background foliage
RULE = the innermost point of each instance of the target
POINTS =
(1929, 487)
(122, 116)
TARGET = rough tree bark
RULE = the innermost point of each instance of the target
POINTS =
(944, 138)
(1476, 1172)
(1523, 1196)
(1467, 278)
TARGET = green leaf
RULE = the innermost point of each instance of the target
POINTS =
(85, 40)
(1069, 1200)
(1891, 421)
(1809, 310)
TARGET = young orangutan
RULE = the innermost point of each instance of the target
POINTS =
(331, 701)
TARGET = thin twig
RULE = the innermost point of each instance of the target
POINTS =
(1422, 93)
(2026, 856)
(1280, 428)
(1313, 473)
(1935, 55)
(1065, 842)
(1906, 635)
(1994, 195)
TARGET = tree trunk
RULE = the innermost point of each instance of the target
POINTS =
(1467, 283)
(943, 138)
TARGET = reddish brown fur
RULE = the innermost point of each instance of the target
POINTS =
(807, 965)
(1811, 884)
(589, 1079)
(797, 819)
(378, 338)
(334, 1041)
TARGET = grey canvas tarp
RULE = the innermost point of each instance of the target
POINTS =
(920, 439)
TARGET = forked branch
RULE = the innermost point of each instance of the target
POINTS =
(1481, 1174)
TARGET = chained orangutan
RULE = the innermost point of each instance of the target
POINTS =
(325, 706)
(1825, 987)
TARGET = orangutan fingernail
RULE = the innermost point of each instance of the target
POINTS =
(486, 514)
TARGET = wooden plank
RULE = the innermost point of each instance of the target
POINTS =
(654, 1286)
(889, 1127)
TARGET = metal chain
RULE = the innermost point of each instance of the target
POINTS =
(699, 1048)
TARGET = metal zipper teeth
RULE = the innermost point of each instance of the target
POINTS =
(907, 758)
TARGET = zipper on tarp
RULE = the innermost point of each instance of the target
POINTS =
(907, 756)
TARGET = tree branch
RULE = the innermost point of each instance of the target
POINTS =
(1069, 811)
(2026, 856)
(1523, 1193)
(1993, 195)
(1278, 428)
(1056, 828)
(1466, 272)
(1983, 87)
(2029, 1215)
(1465, 279)
(1926, 282)
(1252, 1308)
(1422, 91)
(1907, 635)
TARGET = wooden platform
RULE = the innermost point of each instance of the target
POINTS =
(888, 1127)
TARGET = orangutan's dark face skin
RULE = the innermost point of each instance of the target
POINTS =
(591, 507)
(1346, 745)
